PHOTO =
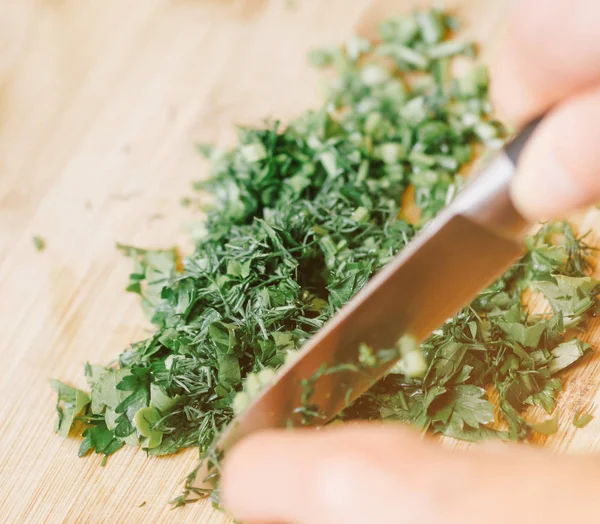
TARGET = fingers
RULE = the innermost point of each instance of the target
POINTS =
(351, 475)
(548, 52)
(560, 168)
(550, 57)
(378, 473)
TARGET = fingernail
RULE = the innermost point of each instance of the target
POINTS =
(543, 189)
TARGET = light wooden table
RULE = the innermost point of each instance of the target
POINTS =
(100, 104)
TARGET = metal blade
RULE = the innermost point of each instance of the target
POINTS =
(432, 279)
(471, 243)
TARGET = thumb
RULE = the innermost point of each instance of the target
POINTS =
(559, 171)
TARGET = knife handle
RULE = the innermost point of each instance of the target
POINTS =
(487, 199)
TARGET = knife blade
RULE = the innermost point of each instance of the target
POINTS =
(470, 243)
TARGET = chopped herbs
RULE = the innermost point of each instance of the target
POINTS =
(70, 403)
(496, 343)
(581, 420)
(39, 243)
(302, 217)
(412, 364)
(547, 427)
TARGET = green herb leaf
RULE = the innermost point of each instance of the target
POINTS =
(39, 243)
(566, 354)
(581, 420)
(146, 420)
(547, 427)
(70, 403)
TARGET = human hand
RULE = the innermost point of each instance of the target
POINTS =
(381, 473)
(549, 59)
(385, 473)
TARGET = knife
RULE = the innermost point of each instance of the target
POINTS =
(473, 241)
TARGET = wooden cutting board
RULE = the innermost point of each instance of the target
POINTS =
(100, 104)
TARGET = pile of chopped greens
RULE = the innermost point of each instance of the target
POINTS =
(302, 217)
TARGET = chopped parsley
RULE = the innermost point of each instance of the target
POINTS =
(39, 243)
(581, 419)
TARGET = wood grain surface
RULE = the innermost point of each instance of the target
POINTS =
(100, 104)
